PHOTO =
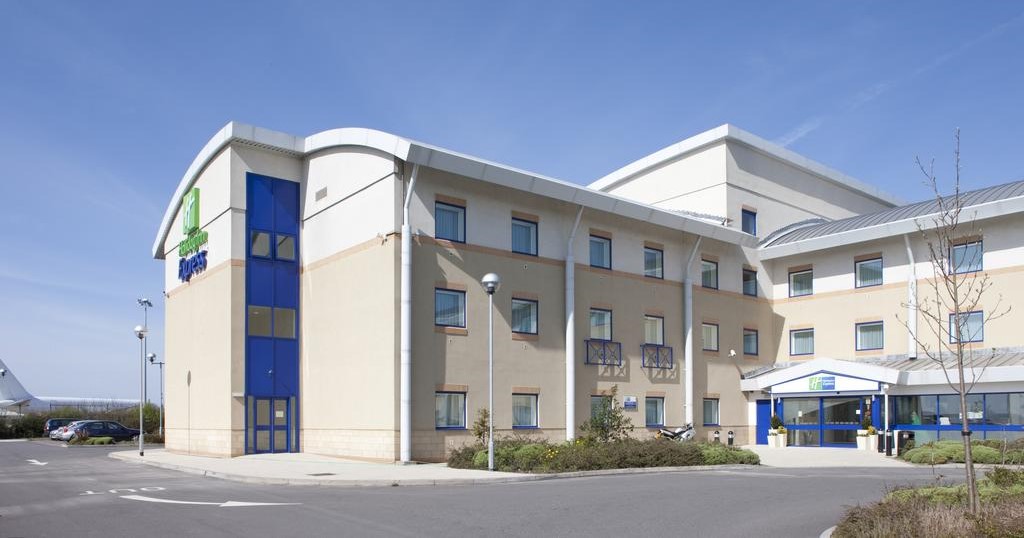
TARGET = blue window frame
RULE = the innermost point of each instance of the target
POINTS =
(600, 252)
(709, 336)
(998, 415)
(972, 327)
(868, 273)
(801, 342)
(449, 308)
(869, 336)
(449, 222)
(525, 314)
(709, 274)
(524, 237)
(524, 411)
(284, 247)
(450, 410)
(750, 282)
(801, 283)
(654, 412)
(749, 221)
(750, 342)
(966, 257)
(259, 244)
(711, 417)
(654, 262)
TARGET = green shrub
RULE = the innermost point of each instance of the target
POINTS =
(776, 422)
(609, 422)
(1004, 478)
(480, 459)
(529, 457)
(462, 457)
(940, 452)
(719, 454)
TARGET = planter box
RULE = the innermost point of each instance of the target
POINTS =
(872, 443)
(777, 441)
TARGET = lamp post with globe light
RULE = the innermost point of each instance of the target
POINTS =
(491, 282)
(140, 333)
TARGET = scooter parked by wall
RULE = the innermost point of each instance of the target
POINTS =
(684, 433)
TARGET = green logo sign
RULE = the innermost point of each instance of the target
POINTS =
(194, 237)
(821, 382)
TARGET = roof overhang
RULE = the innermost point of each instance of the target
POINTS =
(858, 370)
(442, 159)
(977, 212)
(732, 133)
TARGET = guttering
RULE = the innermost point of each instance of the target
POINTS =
(405, 316)
(911, 301)
(688, 328)
(570, 332)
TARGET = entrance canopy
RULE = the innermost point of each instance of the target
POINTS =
(823, 377)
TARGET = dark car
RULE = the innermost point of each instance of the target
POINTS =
(54, 423)
(105, 428)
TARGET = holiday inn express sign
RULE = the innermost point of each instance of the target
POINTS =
(825, 382)
(194, 238)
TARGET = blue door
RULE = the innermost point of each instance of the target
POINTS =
(764, 420)
(271, 425)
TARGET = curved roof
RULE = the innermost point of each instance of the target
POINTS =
(441, 159)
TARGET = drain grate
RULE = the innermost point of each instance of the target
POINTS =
(321, 474)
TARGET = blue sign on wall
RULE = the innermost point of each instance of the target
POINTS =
(821, 382)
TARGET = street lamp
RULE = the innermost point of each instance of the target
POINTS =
(146, 304)
(152, 360)
(140, 333)
(491, 284)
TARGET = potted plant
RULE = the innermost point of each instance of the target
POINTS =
(777, 436)
(872, 439)
(862, 434)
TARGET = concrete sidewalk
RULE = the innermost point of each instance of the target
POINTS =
(806, 457)
(313, 470)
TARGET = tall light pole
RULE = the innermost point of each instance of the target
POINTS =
(152, 360)
(140, 333)
(146, 304)
(491, 282)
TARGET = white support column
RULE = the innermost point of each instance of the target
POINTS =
(405, 315)
(570, 332)
(911, 301)
(688, 398)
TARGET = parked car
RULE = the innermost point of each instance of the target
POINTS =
(54, 423)
(66, 432)
(104, 428)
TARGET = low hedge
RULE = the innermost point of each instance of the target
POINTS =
(986, 452)
(539, 456)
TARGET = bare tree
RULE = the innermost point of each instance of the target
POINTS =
(951, 306)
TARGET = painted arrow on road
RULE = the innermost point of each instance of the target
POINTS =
(37, 462)
(228, 504)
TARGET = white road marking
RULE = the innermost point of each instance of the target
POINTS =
(36, 462)
(228, 504)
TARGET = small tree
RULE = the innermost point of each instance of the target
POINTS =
(609, 422)
(954, 292)
(481, 426)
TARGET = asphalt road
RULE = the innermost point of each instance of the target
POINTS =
(81, 492)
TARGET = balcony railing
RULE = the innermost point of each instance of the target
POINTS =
(604, 352)
(655, 356)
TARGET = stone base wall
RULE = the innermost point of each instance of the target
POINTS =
(434, 445)
(218, 443)
(363, 444)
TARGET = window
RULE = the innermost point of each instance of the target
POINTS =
(966, 258)
(285, 247)
(711, 411)
(524, 410)
(971, 327)
(801, 283)
(449, 308)
(524, 237)
(449, 222)
(1003, 409)
(259, 244)
(870, 336)
(524, 316)
(709, 274)
(710, 334)
(600, 252)
(750, 282)
(750, 341)
(749, 221)
(259, 321)
(654, 263)
(869, 273)
(450, 410)
(600, 324)
(284, 323)
(597, 403)
(654, 330)
(654, 412)
(801, 342)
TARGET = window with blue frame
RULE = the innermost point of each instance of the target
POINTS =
(259, 244)
(868, 273)
(750, 341)
(600, 324)
(709, 274)
(801, 342)
(709, 336)
(600, 252)
(801, 283)
(449, 222)
(654, 262)
(990, 415)
(524, 316)
(869, 336)
(524, 410)
(524, 237)
(285, 248)
(449, 308)
(968, 327)
(966, 257)
(749, 219)
(750, 282)
(450, 410)
(654, 412)
(711, 411)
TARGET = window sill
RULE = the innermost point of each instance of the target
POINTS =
(866, 287)
(655, 426)
(525, 427)
(712, 425)
(457, 331)
(525, 337)
(531, 254)
(751, 356)
(450, 428)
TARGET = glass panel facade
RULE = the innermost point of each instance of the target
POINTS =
(450, 410)
(749, 342)
(750, 282)
(654, 411)
(284, 323)
(800, 411)
(869, 336)
(949, 409)
(654, 330)
(1002, 409)
(967, 258)
(524, 410)
(259, 244)
(709, 274)
(710, 411)
(449, 308)
(285, 247)
(259, 321)
(654, 261)
(801, 283)
(801, 342)
(600, 252)
(524, 316)
(449, 222)
(600, 324)
(840, 437)
(869, 273)
(524, 237)
(842, 411)
(709, 332)
(804, 437)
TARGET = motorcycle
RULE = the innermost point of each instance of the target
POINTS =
(684, 433)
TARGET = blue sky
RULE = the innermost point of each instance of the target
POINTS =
(103, 105)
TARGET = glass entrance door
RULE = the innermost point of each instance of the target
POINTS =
(841, 420)
(270, 425)
(824, 421)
